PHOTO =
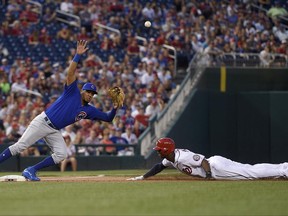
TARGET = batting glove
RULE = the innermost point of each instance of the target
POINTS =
(136, 178)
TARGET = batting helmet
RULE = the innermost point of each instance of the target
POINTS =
(165, 145)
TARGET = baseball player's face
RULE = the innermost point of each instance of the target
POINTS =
(160, 153)
(88, 95)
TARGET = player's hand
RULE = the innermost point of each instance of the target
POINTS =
(81, 47)
(209, 175)
(136, 178)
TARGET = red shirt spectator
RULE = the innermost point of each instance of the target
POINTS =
(106, 44)
(133, 48)
(83, 34)
(44, 37)
(282, 48)
(16, 29)
(29, 14)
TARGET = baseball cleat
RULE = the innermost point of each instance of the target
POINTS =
(30, 174)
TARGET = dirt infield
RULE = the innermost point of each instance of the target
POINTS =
(103, 178)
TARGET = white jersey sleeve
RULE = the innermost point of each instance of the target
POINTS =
(187, 162)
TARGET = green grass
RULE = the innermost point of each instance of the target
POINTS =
(142, 198)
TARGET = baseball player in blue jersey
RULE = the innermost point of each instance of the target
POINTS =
(215, 167)
(71, 106)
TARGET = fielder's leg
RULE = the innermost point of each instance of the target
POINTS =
(57, 144)
(5, 155)
(29, 137)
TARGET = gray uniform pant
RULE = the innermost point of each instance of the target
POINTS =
(38, 129)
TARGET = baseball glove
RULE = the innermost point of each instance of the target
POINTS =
(117, 95)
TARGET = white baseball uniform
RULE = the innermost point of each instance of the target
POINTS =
(222, 168)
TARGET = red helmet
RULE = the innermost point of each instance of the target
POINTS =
(165, 146)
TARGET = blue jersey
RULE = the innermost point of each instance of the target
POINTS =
(68, 109)
(119, 140)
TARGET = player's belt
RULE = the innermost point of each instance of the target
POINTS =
(49, 123)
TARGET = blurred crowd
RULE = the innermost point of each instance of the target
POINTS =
(145, 69)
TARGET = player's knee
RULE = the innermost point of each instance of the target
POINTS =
(17, 148)
(59, 156)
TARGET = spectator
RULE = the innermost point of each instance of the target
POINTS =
(93, 60)
(29, 14)
(34, 38)
(92, 139)
(83, 35)
(31, 151)
(4, 86)
(85, 17)
(133, 48)
(130, 136)
(282, 48)
(154, 107)
(127, 117)
(67, 6)
(79, 139)
(64, 33)
(148, 12)
(276, 11)
(140, 69)
(106, 44)
(5, 29)
(265, 57)
(281, 33)
(110, 150)
(49, 15)
(18, 86)
(117, 139)
(148, 77)
(44, 37)
(16, 28)
(71, 153)
(211, 52)
(11, 138)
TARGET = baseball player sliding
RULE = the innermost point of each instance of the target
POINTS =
(71, 106)
(215, 167)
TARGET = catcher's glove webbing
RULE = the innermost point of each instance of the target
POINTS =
(117, 95)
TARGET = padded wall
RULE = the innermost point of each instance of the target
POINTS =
(279, 127)
(253, 127)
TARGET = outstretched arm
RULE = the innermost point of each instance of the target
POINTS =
(157, 168)
(81, 48)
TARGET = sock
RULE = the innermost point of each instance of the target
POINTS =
(44, 163)
(5, 155)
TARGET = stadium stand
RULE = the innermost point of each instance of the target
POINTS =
(110, 26)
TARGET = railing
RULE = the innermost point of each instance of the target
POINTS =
(142, 39)
(22, 90)
(173, 55)
(101, 26)
(68, 18)
(245, 60)
(80, 147)
(160, 125)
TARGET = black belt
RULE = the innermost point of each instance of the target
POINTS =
(50, 123)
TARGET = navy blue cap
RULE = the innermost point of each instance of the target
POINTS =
(90, 87)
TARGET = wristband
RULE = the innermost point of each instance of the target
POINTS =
(76, 58)
(208, 174)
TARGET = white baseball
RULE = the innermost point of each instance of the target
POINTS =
(147, 24)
